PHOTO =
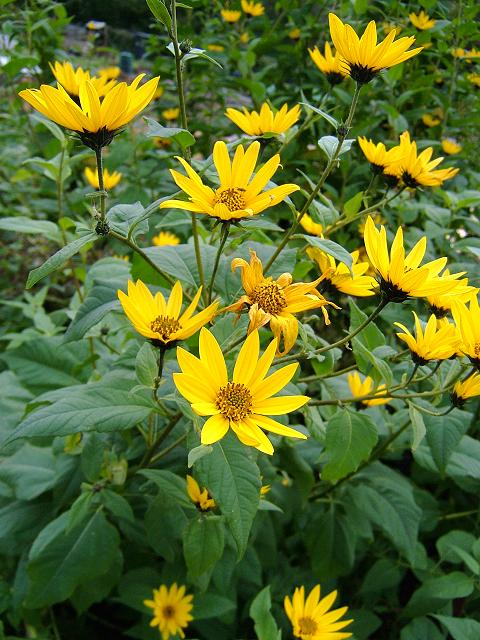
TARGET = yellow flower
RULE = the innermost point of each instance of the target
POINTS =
(458, 52)
(359, 389)
(471, 54)
(215, 47)
(110, 180)
(96, 122)
(389, 26)
(275, 302)
(430, 120)
(364, 58)
(466, 389)
(200, 498)
(312, 619)
(339, 276)
(244, 403)
(474, 78)
(160, 321)
(422, 21)
(467, 320)
(377, 154)
(171, 114)
(162, 143)
(230, 16)
(244, 37)
(239, 195)
(418, 169)
(71, 79)
(264, 489)
(165, 238)
(439, 341)
(253, 8)
(329, 64)
(294, 34)
(463, 292)
(256, 123)
(451, 146)
(171, 610)
(111, 73)
(314, 228)
(158, 93)
(402, 276)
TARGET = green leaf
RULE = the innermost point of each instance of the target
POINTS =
(460, 628)
(155, 130)
(350, 437)
(367, 359)
(211, 605)
(371, 337)
(22, 224)
(117, 504)
(169, 483)
(203, 542)
(421, 629)
(418, 426)
(331, 544)
(198, 452)
(434, 592)
(265, 625)
(97, 590)
(324, 114)
(54, 129)
(58, 259)
(30, 471)
(443, 434)
(122, 217)
(160, 12)
(353, 205)
(59, 564)
(331, 248)
(100, 300)
(233, 480)
(146, 364)
(329, 144)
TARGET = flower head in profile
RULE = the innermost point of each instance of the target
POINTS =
(467, 319)
(171, 114)
(253, 8)
(96, 121)
(431, 119)
(71, 79)
(239, 195)
(377, 155)
(159, 320)
(243, 403)
(450, 146)
(230, 15)
(329, 64)
(439, 341)
(441, 304)
(257, 123)
(312, 618)
(359, 389)
(402, 276)
(310, 226)
(165, 239)
(466, 389)
(201, 498)
(422, 21)
(364, 58)
(110, 180)
(338, 276)
(275, 302)
(171, 610)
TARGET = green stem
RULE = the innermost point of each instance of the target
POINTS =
(101, 186)
(223, 239)
(149, 454)
(331, 163)
(161, 359)
(170, 447)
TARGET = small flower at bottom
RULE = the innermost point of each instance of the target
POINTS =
(244, 403)
(160, 321)
(466, 389)
(171, 610)
(165, 239)
(329, 64)
(110, 180)
(201, 498)
(439, 341)
(312, 619)
(365, 388)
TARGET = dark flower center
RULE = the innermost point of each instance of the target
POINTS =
(168, 611)
(307, 626)
(234, 401)
(165, 326)
(361, 73)
(392, 292)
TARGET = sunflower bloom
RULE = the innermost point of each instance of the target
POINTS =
(474, 78)
(96, 122)
(466, 389)
(467, 320)
(439, 341)
(171, 114)
(377, 155)
(243, 404)
(338, 276)
(256, 123)
(451, 146)
(201, 498)
(253, 8)
(230, 16)
(71, 79)
(364, 58)
(422, 21)
(312, 619)
(359, 389)
(110, 180)
(239, 195)
(171, 610)
(431, 120)
(402, 276)
(161, 321)
(329, 64)
(165, 239)
(440, 305)
(275, 302)
(311, 227)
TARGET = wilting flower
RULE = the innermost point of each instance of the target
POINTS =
(338, 276)
(96, 122)
(165, 238)
(294, 34)
(256, 123)
(275, 302)
(359, 389)
(244, 403)
(253, 8)
(441, 304)
(111, 73)
(439, 341)
(467, 320)
(377, 154)
(430, 120)
(402, 276)
(466, 389)
(314, 228)
(202, 499)
(329, 64)
(71, 79)
(110, 180)
(364, 58)
(160, 321)
(230, 16)
(171, 610)
(422, 21)
(451, 146)
(239, 195)
(312, 619)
